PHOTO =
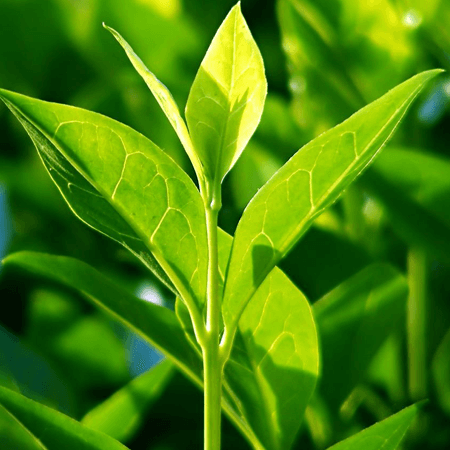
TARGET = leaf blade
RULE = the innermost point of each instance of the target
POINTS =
(293, 198)
(414, 185)
(165, 100)
(51, 428)
(354, 320)
(120, 415)
(154, 323)
(274, 365)
(384, 435)
(149, 191)
(227, 97)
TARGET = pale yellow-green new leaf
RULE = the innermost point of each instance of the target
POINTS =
(164, 98)
(227, 97)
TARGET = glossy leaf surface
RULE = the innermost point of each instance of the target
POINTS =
(274, 365)
(120, 415)
(154, 323)
(354, 320)
(227, 97)
(121, 183)
(310, 181)
(48, 429)
(164, 98)
(385, 435)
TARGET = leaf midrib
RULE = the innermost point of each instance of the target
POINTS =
(315, 210)
(27, 430)
(154, 250)
(230, 93)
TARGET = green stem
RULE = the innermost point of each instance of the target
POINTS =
(416, 324)
(212, 366)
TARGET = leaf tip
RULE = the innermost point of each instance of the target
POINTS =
(6, 260)
(237, 8)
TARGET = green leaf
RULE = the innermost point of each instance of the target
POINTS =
(227, 97)
(165, 100)
(14, 435)
(32, 373)
(274, 364)
(309, 182)
(154, 323)
(48, 429)
(414, 188)
(120, 415)
(185, 321)
(354, 320)
(384, 435)
(91, 353)
(275, 350)
(160, 327)
(441, 373)
(119, 182)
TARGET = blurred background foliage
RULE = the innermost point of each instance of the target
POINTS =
(324, 60)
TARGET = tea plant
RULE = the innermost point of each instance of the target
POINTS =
(241, 330)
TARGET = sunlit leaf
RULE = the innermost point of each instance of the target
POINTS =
(165, 100)
(122, 184)
(227, 97)
(309, 182)
(274, 365)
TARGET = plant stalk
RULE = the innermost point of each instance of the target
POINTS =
(212, 366)
(416, 323)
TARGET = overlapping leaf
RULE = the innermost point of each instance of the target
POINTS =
(165, 100)
(154, 323)
(282, 346)
(274, 365)
(119, 182)
(227, 97)
(311, 180)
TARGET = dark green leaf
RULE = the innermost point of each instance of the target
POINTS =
(354, 320)
(156, 324)
(120, 415)
(414, 187)
(48, 429)
(441, 373)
